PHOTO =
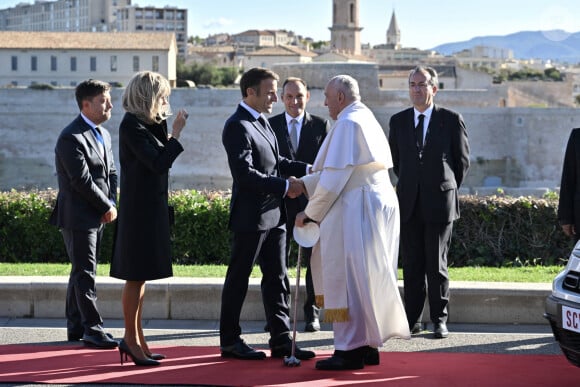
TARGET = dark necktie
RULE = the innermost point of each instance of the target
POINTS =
(267, 129)
(419, 132)
(262, 121)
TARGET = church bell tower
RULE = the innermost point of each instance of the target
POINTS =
(394, 34)
(345, 30)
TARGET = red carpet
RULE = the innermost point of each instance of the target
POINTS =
(204, 366)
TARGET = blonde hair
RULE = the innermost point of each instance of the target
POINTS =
(143, 95)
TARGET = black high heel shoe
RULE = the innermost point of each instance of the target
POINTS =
(156, 356)
(126, 351)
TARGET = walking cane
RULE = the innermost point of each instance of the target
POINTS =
(305, 236)
(292, 361)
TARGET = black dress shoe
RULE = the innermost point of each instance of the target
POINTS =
(99, 340)
(312, 326)
(440, 330)
(73, 336)
(416, 328)
(371, 356)
(343, 360)
(79, 336)
(241, 350)
(285, 349)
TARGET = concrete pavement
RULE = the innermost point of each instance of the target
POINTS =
(180, 298)
(479, 338)
(484, 317)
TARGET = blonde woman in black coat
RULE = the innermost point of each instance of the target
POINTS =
(142, 243)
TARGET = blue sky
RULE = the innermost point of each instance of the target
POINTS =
(423, 27)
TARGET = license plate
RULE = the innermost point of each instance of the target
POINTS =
(571, 319)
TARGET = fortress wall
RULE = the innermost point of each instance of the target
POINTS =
(510, 147)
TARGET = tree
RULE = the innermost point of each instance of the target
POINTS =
(319, 44)
(196, 40)
(553, 74)
(207, 74)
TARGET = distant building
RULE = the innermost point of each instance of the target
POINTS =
(451, 77)
(95, 16)
(252, 40)
(252, 48)
(62, 15)
(394, 53)
(383, 55)
(268, 56)
(133, 18)
(334, 56)
(219, 56)
(218, 40)
(394, 33)
(67, 58)
(345, 30)
(493, 58)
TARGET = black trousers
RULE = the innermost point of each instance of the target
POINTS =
(268, 248)
(83, 248)
(424, 248)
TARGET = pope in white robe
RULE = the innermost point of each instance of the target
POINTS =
(354, 264)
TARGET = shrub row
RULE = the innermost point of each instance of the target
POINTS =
(493, 230)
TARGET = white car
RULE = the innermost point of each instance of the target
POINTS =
(563, 308)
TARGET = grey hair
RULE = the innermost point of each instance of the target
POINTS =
(434, 81)
(347, 85)
(143, 94)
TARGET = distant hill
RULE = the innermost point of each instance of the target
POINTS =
(556, 45)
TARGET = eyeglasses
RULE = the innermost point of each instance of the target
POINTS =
(420, 85)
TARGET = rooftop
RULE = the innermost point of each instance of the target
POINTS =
(85, 40)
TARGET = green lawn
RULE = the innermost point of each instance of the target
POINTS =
(486, 274)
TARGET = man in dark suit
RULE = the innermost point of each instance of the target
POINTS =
(87, 181)
(431, 158)
(257, 219)
(569, 203)
(309, 132)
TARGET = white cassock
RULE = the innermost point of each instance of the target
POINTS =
(354, 264)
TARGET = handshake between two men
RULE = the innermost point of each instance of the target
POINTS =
(295, 187)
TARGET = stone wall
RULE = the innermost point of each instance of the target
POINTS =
(510, 147)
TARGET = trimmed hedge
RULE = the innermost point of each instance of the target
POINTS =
(506, 231)
(201, 234)
(492, 231)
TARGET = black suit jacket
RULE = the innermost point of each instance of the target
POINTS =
(312, 134)
(257, 170)
(569, 204)
(436, 177)
(87, 182)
